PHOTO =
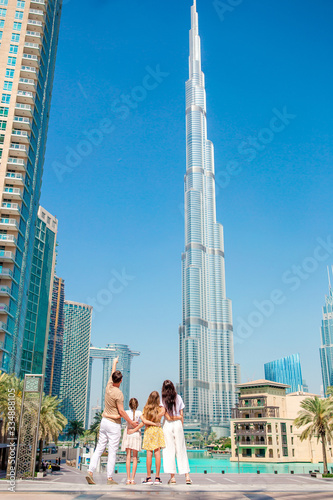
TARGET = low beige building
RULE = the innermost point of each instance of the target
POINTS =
(262, 426)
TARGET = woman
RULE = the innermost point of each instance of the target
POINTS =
(175, 446)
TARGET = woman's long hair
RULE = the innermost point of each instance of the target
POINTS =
(169, 396)
(152, 407)
(133, 404)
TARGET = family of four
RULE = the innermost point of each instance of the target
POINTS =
(170, 438)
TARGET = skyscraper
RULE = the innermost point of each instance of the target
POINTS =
(75, 361)
(287, 371)
(326, 350)
(108, 354)
(40, 295)
(55, 340)
(207, 370)
(29, 34)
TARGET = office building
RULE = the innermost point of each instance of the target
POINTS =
(108, 354)
(29, 35)
(326, 349)
(40, 295)
(75, 361)
(207, 370)
(55, 340)
(288, 371)
(262, 426)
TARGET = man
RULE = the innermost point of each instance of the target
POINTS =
(110, 429)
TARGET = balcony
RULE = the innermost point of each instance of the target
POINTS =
(8, 240)
(265, 412)
(5, 291)
(2, 344)
(36, 25)
(15, 178)
(252, 402)
(251, 430)
(7, 274)
(18, 149)
(13, 193)
(27, 84)
(20, 136)
(252, 441)
(30, 59)
(22, 123)
(6, 223)
(6, 254)
(36, 14)
(4, 309)
(25, 97)
(28, 71)
(17, 164)
(3, 328)
(11, 207)
(23, 109)
(38, 3)
(33, 36)
(32, 48)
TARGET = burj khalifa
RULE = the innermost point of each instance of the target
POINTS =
(208, 374)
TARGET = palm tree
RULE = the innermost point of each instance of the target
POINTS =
(51, 423)
(95, 426)
(316, 417)
(75, 428)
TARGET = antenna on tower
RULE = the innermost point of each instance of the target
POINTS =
(329, 276)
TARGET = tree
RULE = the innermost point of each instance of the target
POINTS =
(75, 428)
(95, 426)
(212, 437)
(316, 416)
(51, 423)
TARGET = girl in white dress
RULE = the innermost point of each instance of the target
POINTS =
(132, 443)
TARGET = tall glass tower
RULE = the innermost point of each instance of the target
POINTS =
(326, 350)
(207, 371)
(288, 371)
(75, 361)
(29, 35)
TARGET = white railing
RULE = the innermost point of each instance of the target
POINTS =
(28, 68)
(23, 106)
(12, 175)
(8, 237)
(36, 23)
(30, 56)
(11, 206)
(10, 190)
(5, 254)
(6, 272)
(31, 45)
(18, 146)
(33, 33)
(21, 133)
(22, 119)
(17, 161)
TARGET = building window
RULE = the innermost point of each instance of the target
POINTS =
(11, 61)
(15, 37)
(5, 98)
(17, 26)
(9, 73)
(3, 111)
(20, 5)
(3, 2)
(3, 125)
(285, 452)
(0, 153)
(18, 14)
(7, 85)
(13, 49)
(2, 138)
(2, 23)
(0, 35)
(3, 12)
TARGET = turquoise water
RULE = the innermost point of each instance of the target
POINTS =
(200, 461)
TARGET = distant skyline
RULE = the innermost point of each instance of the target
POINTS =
(119, 198)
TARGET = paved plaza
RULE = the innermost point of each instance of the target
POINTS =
(69, 484)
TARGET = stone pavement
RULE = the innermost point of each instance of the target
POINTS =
(70, 484)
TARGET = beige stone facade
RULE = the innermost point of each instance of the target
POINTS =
(262, 426)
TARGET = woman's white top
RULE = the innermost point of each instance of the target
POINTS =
(137, 415)
(179, 405)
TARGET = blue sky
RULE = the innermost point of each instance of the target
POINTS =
(118, 191)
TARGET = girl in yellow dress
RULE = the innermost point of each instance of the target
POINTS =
(153, 439)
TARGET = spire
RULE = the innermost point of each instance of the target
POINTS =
(195, 46)
(329, 277)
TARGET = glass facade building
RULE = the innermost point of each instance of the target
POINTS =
(55, 340)
(29, 32)
(40, 294)
(286, 371)
(208, 374)
(326, 349)
(75, 361)
(108, 354)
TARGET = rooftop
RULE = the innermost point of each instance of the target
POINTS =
(262, 383)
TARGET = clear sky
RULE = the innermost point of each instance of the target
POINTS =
(118, 191)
